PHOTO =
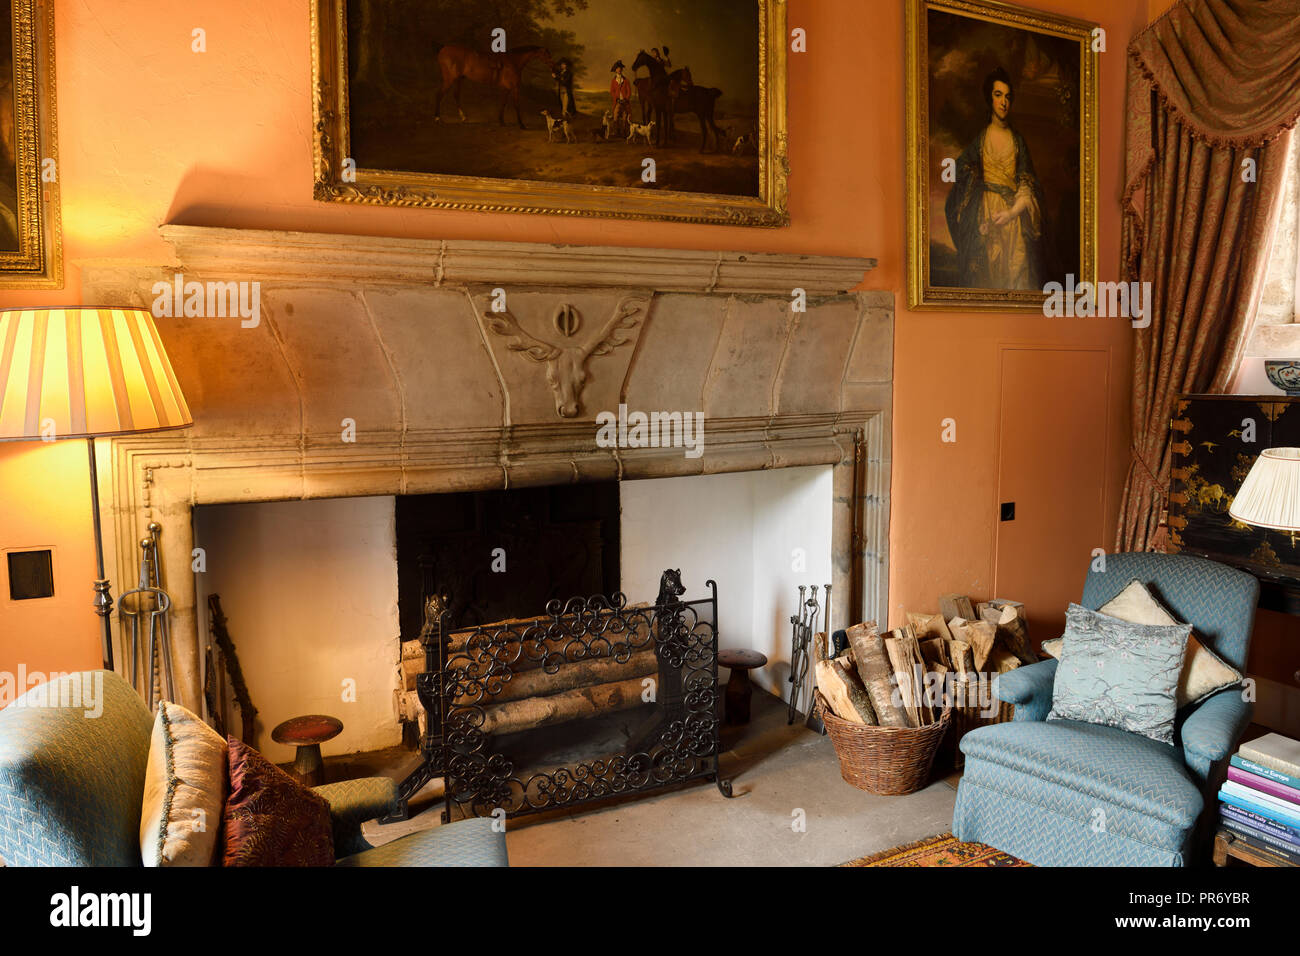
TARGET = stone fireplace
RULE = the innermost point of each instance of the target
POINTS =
(381, 367)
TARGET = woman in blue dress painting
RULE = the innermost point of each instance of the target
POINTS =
(995, 209)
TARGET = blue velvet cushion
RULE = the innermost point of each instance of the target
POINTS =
(1119, 674)
(72, 763)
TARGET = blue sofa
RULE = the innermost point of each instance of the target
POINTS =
(72, 785)
(1067, 793)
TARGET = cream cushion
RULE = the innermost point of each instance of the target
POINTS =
(1204, 672)
(185, 787)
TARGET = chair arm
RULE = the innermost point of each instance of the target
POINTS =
(1029, 688)
(1212, 729)
(352, 802)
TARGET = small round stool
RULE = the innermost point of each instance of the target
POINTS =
(307, 734)
(739, 690)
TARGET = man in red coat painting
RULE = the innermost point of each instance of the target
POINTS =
(620, 91)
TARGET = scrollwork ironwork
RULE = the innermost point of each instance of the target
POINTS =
(478, 664)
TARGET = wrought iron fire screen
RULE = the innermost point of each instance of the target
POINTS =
(468, 670)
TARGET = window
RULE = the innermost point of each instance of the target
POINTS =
(1275, 332)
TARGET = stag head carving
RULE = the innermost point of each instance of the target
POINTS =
(565, 357)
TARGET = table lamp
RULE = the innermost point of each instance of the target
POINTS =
(1270, 495)
(86, 372)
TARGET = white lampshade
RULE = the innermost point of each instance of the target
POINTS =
(85, 371)
(1270, 495)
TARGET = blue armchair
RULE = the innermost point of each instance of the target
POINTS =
(72, 786)
(1068, 793)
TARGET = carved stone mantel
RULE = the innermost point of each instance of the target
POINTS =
(400, 337)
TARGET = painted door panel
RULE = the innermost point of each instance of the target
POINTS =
(1052, 464)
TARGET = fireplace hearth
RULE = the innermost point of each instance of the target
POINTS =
(649, 730)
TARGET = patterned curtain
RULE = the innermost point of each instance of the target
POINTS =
(1213, 95)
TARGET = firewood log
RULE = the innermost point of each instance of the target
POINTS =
(980, 635)
(935, 652)
(515, 628)
(601, 670)
(963, 660)
(956, 605)
(560, 708)
(1002, 660)
(874, 668)
(928, 626)
(1010, 622)
(844, 693)
(909, 670)
(410, 668)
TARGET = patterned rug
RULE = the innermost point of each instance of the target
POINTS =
(942, 850)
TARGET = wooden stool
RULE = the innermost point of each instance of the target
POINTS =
(307, 734)
(739, 690)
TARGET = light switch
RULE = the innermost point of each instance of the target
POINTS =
(31, 575)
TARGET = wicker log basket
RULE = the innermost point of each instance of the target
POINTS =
(890, 761)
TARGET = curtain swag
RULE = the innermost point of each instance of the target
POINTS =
(1213, 94)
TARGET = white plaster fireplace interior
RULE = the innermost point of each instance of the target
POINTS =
(311, 590)
(400, 338)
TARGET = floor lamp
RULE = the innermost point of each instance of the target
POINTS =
(86, 372)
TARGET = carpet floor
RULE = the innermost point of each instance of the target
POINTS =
(942, 850)
(791, 809)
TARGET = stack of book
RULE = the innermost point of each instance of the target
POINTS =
(1260, 801)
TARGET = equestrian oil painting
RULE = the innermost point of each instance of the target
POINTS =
(649, 109)
(30, 242)
(1001, 144)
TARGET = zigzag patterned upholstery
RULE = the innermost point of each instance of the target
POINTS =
(1218, 601)
(71, 785)
(469, 842)
(352, 803)
(1067, 793)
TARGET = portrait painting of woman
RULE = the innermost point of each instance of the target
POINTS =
(1002, 196)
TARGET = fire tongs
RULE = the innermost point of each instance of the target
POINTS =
(149, 617)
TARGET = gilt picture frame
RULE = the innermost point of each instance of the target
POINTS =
(430, 105)
(31, 252)
(1001, 114)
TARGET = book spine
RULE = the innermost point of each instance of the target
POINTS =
(1263, 799)
(1268, 773)
(1291, 859)
(1280, 846)
(1256, 782)
(1273, 830)
(1268, 760)
(1272, 813)
(1263, 823)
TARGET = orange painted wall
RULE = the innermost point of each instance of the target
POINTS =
(151, 132)
(947, 366)
(45, 490)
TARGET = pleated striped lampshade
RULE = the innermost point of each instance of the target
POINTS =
(1270, 495)
(85, 371)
